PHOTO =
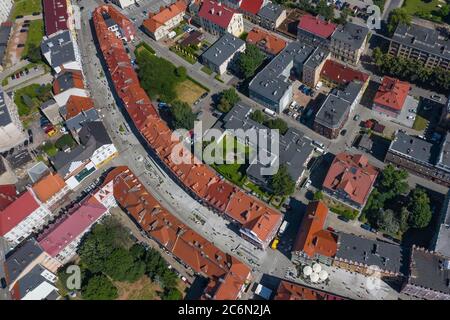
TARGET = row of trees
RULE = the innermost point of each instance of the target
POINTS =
(412, 70)
(106, 256)
(271, 123)
(393, 207)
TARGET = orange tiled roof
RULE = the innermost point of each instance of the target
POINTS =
(291, 291)
(77, 104)
(48, 186)
(74, 78)
(311, 238)
(164, 15)
(353, 175)
(392, 93)
(270, 43)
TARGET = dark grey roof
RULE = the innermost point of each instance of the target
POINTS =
(272, 82)
(365, 142)
(65, 81)
(38, 171)
(271, 11)
(223, 49)
(20, 159)
(21, 258)
(352, 34)
(75, 123)
(443, 160)
(370, 252)
(31, 281)
(429, 270)
(413, 147)
(442, 241)
(108, 20)
(333, 111)
(92, 136)
(5, 31)
(316, 58)
(294, 147)
(423, 38)
(60, 47)
(5, 118)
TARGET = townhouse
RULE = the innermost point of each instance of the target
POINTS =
(123, 3)
(350, 180)
(315, 31)
(51, 190)
(423, 44)
(77, 111)
(420, 157)
(61, 239)
(221, 55)
(270, 44)
(38, 284)
(66, 84)
(335, 74)
(391, 96)
(61, 51)
(251, 8)
(218, 19)
(271, 16)
(158, 25)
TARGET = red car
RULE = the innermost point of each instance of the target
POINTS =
(48, 128)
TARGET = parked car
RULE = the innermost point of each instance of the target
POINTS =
(204, 95)
(345, 219)
(3, 283)
(436, 97)
(30, 132)
(331, 229)
(20, 45)
(344, 132)
(365, 226)
(356, 117)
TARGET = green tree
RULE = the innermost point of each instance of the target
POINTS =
(181, 72)
(282, 183)
(324, 10)
(228, 99)
(172, 294)
(396, 17)
(34, 53)
(393, 181)
(182, 115)
(250, 60)
(121, 266)
(258, 116)
(387, 221)
(420, 211)
(277, 124)
(99, 287)
(318, 195)
(378, 56)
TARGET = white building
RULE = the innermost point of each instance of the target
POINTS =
(123, 3)
(5, 9)
(23, 217)
(159, 25)
(11, 129)
(218, 19)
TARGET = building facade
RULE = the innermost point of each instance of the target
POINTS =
(159, 25)
(217, 19)
(11, 129)
(348, 42)
(272, 16)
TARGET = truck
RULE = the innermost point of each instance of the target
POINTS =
(283, 227)
(270, 112)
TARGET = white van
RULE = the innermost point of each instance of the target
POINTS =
(270, 112)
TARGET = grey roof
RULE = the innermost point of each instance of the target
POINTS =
(428, 270)
(316, 58)
(442, 243)
(31, 281)
(5, 118)
(21, 258)
(108, 20)
(352, 34)
(5, 31)
(65, 81)
(334, 109)
(272, 82)
(75, 123)
(60, 47)
(223, 49)
(413, 147)
(92, 136)
(294, 147)
(48, 103)
(365, 142)
(37, 171)
(423, 38)
(385, 255)
(271, 11)
(444, 154)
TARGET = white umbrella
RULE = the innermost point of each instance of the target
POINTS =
(323, 275)
(314, 277)
(307, 271)
(316, 267)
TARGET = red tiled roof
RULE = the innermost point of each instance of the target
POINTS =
(311, 238)
(291, 291)
(252, 6)
(216, 13)
(316, 26)
(392, 93)
(48, 186)
(8, 194)
(60, 235)
(74, 76)
(342, 74)
(191, 248)
(17, 211)
(55, 16)
(164, 15)
(270, 43)
(77, 104)
(352, 175)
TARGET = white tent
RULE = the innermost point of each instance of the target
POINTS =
(307, 271)
(323, 275)
(314, 277)
(316, 267)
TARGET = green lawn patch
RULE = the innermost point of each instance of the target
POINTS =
(206, 70)
(65, 141)
(50, 149)
(29, 98)
(189, 57)
(424, 9)
(145, 46)
(34, 38)
(420, 123)
(26, 7)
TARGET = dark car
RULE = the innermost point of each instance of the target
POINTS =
(345, 219)
(3, 283)
(36, 13)
(20, 45)
(343, 132)
(19, 16)
(203, 96)
(366, 227)
(30, 132)
(31, 139)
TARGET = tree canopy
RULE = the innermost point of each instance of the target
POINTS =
(282, 183)
(249, 61)
(419, 207)
(99, 287)
(397, 16)
(182, 115)
(228, 99)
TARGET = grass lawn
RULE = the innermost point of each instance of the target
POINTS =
(29, 98)
(35, 34)
(424, 9)
(339, 208)
(188, 91)
(50, 149)
(26, 7)
(186, 56)
(206, 70)
(142, 289)
(420, 123)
